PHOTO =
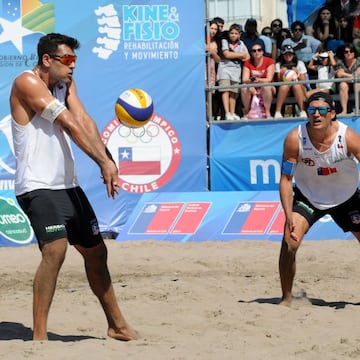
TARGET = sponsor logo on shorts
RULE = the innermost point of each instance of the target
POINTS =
(305, 207)
(355, 218)
(54, 228)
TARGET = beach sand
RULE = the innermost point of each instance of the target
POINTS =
(208, 300)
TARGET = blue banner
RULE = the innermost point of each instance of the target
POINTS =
(157, 46)
(217, 215)
(247, 156)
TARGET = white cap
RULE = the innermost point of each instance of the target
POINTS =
(324, 54)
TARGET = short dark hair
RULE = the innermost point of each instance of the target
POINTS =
(296, 24)
(49, 43)
(219, 20)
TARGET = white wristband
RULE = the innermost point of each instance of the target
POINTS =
(53, 110)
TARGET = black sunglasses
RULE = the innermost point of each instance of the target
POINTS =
(348, 51)
(267, 33)
(256, 50)
(276, 25)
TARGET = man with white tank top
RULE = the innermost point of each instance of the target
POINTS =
(46, 115)
(321, 156)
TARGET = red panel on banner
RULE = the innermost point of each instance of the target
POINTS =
(191, 218)
(164, 218)
(278, 225)
(259, 218)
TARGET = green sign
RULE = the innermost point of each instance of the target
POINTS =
(14, 224)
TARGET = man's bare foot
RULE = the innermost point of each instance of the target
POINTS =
(124, 334)
(285, 301)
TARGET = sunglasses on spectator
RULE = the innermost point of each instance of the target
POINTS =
(348, 51)
(256, 50)
(276, 25)
(323, 110)
(267, 33)
(64, 59)
(297, 29)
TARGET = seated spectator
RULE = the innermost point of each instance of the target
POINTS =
(285, 33)
(251, 36)
(258, 69)
(325, 29)
(305, 46)
(234, 52)
(346, 68)
(276, 27)
(356, 32)
(346, 29)
(325, 26)
(324, 64)
(266, 38)
(289, 61)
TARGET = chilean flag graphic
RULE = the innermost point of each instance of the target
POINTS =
(139, 160)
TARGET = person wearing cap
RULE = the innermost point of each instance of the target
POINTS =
(305, 46)
(320, 157)
(324, 65)
(289, 61)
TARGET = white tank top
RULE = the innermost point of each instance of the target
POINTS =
(44, 159)
(326, 178)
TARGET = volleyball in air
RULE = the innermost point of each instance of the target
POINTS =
(134, 108)
(289, 75)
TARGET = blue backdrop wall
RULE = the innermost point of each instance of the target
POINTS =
(154, 45)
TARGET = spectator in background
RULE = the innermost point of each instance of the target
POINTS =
(220, 23)
(258, 69)
(212, 59)
(285, 33)
(345, 29)
(346, 68)
(234, 52)
(289, 61)
(325, 26)
(325, 29)
(276, 25)
(251, 36)
(266, 38)
(324, 64)
(305, 46)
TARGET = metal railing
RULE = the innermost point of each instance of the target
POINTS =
(209, 89)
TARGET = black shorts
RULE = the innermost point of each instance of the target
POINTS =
(346, 215)
(56, 214)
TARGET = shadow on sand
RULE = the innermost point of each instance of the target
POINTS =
(17, 331)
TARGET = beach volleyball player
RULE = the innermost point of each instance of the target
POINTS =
(321, 155)
(47, 114)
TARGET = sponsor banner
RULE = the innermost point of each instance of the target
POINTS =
(247, 156)
(15, 228)
(157, 46)
(203, 216)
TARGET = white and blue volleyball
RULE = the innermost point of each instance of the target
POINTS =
(134, 108)
(290, 75)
